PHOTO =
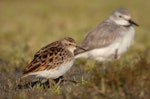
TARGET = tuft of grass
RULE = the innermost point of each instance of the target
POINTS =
(55, 89)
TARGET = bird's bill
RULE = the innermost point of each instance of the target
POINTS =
(81, 48)
(132, 22)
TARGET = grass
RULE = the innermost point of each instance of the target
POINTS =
(26, 26)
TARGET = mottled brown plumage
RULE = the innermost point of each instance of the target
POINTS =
(48, 59)
(52, 58)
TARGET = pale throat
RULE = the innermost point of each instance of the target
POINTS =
(122, 22)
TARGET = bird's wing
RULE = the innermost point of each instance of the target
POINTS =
(101, 36)
(44, 60)
(47, 47)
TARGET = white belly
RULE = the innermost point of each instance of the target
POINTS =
(54, 73)
(105, 54)
(127, 41)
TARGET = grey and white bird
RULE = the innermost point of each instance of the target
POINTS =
(110, 39)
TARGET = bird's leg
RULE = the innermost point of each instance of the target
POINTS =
(103, 78)
(116, 54)
(59, 80)
(62, 79)
(51, 82)
(73, 81)
(55, 82)
(44, 82)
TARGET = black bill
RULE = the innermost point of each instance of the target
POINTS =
(81, 48)
(132, 22)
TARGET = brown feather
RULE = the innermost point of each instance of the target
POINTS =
(42, 62)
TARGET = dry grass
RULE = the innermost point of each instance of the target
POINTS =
(26, 26)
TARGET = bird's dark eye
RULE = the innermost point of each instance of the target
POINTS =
(120, 16)
(69, 43)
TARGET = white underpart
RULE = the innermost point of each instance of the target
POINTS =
(122, 22)
(54, 73)
(105, 54)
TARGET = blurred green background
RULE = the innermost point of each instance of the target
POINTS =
(28, 25)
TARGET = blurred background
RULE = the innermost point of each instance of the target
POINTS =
(28, 25)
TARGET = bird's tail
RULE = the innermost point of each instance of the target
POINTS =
(24, 76)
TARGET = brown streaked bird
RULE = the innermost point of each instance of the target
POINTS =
(53, 60)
